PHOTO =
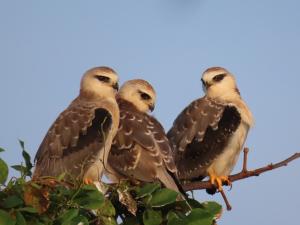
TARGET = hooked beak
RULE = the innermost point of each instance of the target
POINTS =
(151, 107)
(116, 86)
(205, 84)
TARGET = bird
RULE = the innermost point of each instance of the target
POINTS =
(141, 151)
(208, 135)
(78, 142)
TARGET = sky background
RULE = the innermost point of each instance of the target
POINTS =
(45, 47)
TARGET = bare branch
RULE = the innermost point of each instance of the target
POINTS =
(199, 185)
(228, 206)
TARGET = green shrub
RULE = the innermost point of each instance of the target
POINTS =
(52, 201)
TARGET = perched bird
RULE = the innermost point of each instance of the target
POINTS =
(79, 141)
(208, 135)
(141, 150)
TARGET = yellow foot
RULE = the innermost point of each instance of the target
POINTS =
(88, 181)
(219, 181)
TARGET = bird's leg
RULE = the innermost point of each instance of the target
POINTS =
(218, 181)
(225, 181)
(88, 181)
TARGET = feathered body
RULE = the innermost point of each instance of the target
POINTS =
(79, 140)
(209, 134)
(141, 151)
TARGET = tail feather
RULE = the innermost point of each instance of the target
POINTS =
(171, 181)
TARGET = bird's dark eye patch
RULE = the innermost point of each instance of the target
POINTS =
(219, 77)
(145, 96)
(103, 78)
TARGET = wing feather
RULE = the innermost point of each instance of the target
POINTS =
(193, 122)
(74, 140)
(198, 143)
(146, 136)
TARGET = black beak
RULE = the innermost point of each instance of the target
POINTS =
(151, 108)
(116, 86)
(205, 84)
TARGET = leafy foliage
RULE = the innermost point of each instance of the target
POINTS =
(52, 201)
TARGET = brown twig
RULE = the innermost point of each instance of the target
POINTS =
(228, 206)
(199, 185)
(245, 162)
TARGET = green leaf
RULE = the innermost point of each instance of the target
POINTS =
(20, 219)
(194, 203)
(22, 144)
(61, 176)
(35, 185)
(79, 219)
(151, 217)
(107, 209)
(2, 196)
(3, 171)
(5, 218)
(68, 216)
(89, 188)
(131, 221)
(90, 203)
(213, 207)
(28, 163)
(19, 168)
(2, 150)
(199, 217)
(27, 159)
(89, 197)
(163, 197)
(12, 201)
(147, 189)
(173, 219)
(108, 221)
(182, 206)
(28, 210)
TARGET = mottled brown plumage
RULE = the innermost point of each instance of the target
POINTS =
(79, 140)
(139, 133)
(208, 134)
(200, 133)
(141, 150)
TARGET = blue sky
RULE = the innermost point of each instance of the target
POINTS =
(45, 47)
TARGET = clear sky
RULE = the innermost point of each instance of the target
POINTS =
(46, 46)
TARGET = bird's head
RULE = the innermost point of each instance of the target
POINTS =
(217, 82)
(140, 93)
(100, 82)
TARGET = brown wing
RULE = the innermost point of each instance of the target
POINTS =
(132, 137)
(140, 140)
(199, 135)
(74, 140)
(163, 144)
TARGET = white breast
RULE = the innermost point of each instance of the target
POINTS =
(224, 164)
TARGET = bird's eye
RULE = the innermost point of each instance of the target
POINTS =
(145, 96)
(103, 78)
(219, 77)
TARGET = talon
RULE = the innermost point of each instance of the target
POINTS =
(88, 181)
(219, 181)
(226, 181)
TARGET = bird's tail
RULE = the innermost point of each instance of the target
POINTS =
(171, 181)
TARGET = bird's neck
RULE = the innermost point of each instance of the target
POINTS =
(232, 97)
(229, 95)
(96, 96)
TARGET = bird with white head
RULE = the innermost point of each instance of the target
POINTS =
(79, 140)
(208, 135)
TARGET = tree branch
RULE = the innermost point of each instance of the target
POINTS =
(199, 185)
